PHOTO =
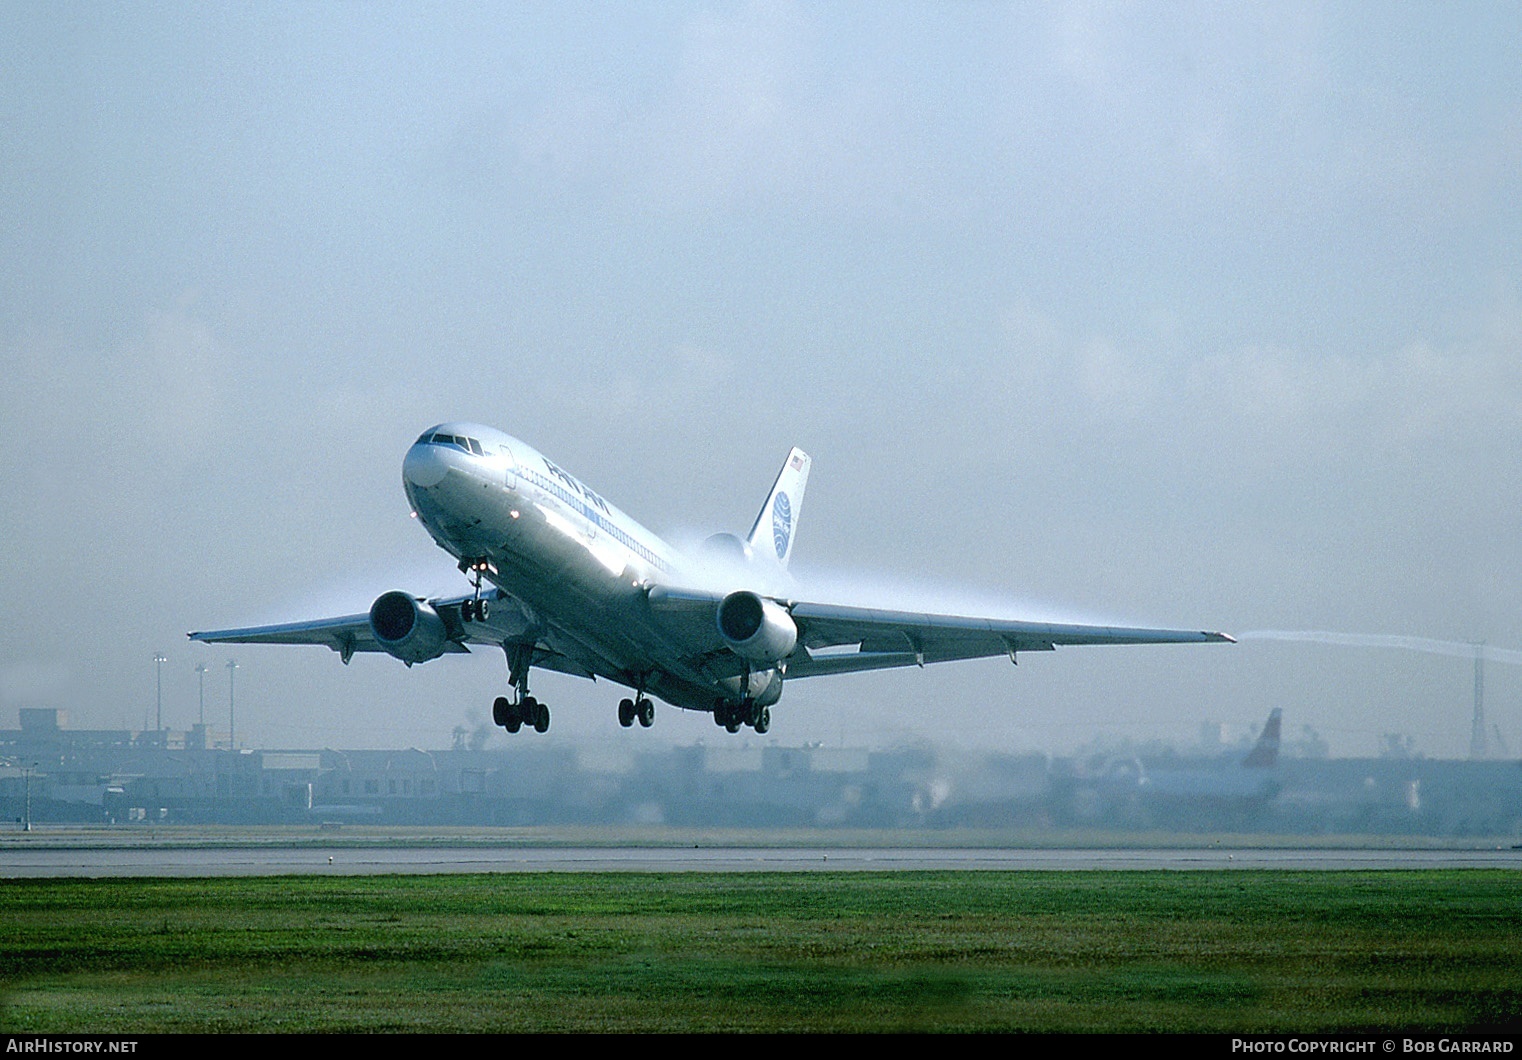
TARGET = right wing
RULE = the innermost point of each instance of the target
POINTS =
(507, 625)
(345, 635)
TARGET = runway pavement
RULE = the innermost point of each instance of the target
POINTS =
(19, 861)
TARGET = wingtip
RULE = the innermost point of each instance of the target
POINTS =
(1221, 638)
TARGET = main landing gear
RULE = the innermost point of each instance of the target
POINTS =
(527, 711)
(523, 709)
(732, 715)
(641, 708)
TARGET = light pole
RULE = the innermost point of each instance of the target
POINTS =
(159, 659)
(232, 727)
(201, 675)
(27, 771)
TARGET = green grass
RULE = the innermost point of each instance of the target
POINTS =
(1228, 951)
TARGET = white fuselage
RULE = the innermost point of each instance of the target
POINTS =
(575, 568)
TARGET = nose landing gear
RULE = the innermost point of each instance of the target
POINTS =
(475, 609)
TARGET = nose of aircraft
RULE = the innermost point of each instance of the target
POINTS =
(425, 465)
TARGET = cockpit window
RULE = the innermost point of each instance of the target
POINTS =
(470, 445)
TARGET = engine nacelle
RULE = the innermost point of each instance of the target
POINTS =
(727, 549)
(756, 628)
(408, 628)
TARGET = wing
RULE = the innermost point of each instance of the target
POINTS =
(345, 635)
(508, 625)
(837, 639)
(841, 639)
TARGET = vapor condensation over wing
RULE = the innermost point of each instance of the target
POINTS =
(1427, 645)
(872, 589)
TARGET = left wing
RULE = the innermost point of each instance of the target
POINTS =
(838, 639)
(876, 640)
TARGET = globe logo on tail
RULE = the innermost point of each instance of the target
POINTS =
(782, 523)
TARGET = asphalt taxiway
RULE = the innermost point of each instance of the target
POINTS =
(21, 860)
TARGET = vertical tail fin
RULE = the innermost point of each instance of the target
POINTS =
(777, 523)
(1266, 751)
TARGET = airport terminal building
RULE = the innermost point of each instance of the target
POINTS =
(52, 773)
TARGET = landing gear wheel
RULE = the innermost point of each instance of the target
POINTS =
(536, 714)
(645, 709)
(764, 720)
(626, 712)
(729, 715)
(507, 714)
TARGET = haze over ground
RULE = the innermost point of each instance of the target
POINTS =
(1178, 314)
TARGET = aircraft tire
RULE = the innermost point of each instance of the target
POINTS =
(646, 711)
(500, 709)
(626, 712)
(763, 719)
(536, 714)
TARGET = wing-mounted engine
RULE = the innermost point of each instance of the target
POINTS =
(756, 628)
(408, 628)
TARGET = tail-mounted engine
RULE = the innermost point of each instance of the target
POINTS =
(408, 628)
(756, 628)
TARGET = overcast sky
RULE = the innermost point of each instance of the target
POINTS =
(1197, 315)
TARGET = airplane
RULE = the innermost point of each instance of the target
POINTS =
(563, 580)
(1216, 791)
(1227, 778)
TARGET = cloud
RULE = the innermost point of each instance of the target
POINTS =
(111, 417)
(1271, 403)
